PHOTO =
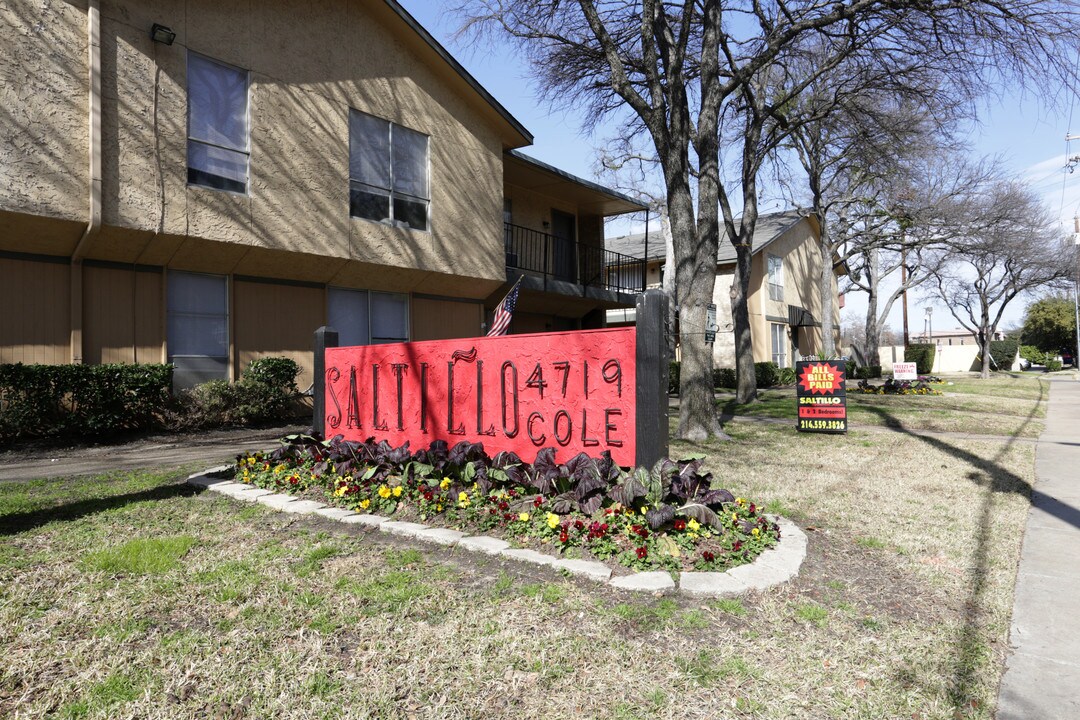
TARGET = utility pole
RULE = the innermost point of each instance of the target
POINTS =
(903, 284)
(1076, 294)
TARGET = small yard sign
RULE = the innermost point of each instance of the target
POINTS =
(904, 371)
(821, 396)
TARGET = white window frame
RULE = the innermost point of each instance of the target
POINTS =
(245, 150)
(391, 193)
(369, 339)
(775, 268)
(778, 333)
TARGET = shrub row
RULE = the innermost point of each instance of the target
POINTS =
(97, 401)
(922, 354)
(264, 392)
(81, 400)
(766, 374)
(1003, 353)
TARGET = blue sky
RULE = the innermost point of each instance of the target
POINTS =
(1020, 129)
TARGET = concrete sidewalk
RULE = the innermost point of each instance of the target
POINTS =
(204, 449)
(1042, 676)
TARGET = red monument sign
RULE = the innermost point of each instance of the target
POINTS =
(573, 391)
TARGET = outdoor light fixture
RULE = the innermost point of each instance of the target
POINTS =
(162, 34)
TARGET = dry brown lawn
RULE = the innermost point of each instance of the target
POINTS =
(129, 596)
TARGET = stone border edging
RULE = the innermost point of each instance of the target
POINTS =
(773, 567)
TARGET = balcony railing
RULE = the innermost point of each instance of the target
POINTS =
(535, 252)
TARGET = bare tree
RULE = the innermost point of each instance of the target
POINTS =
(1010, 249)
(873, 264)
(849, 155)
(684, 73)
(631, 171)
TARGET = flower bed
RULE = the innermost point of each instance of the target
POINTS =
(669, 517)
(896, 387)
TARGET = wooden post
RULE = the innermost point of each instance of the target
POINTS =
(325, 337)
(652, 378)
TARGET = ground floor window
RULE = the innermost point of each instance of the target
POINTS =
(779, 344)
(363, 317)
(198, 327)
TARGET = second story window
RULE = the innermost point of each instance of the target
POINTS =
(217, 124)
(388, 172)
(776, 278)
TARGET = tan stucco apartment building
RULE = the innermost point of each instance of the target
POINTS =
(784, 304)
(206, 183)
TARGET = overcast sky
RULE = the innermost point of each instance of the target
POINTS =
(1020, 130)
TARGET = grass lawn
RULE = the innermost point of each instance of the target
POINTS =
(129, 595)
(1006, 404)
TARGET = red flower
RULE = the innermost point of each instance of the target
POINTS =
(641, 553)
(504, 505)
(680, 525)
(753, 509)
(738, 546)
(563, 537)
(707, 556)
(578, 525)
(538, 501)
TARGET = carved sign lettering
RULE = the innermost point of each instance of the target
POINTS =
(573, 391)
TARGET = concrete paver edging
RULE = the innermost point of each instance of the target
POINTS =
(773, 567)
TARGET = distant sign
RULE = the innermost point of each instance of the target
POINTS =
(821, 396)
(904, 371)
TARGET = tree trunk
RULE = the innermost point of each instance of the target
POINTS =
(694, 284)
(745, 379)
(984, 345)
(825, 295)
(871, 353)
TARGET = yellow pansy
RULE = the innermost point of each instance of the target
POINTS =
(365, 504)
(693, 525)
(341, 490)
(463, 499)
(552, 520)
(755, 532)
(523, 517)
(445, 483)
(384, 492)
(397, 491)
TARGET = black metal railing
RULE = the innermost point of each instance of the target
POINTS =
(536, 252)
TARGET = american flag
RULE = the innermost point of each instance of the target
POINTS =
(501, 322)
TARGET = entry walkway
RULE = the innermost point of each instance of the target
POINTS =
(202, 449)
(1042, 675)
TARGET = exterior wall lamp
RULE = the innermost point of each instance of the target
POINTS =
(162, 34)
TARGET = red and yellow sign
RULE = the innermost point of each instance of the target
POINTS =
(821, 396)
(572, 391)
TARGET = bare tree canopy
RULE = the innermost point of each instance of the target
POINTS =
(691, 75)
(1010, 248)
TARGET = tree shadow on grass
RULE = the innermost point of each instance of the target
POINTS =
(970, 649)
(16, 523)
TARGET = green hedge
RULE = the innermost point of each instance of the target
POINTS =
(43, 401)
(1003, 353)
(867, 372)
(766, 374)
(264, 392)
(922, 354)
